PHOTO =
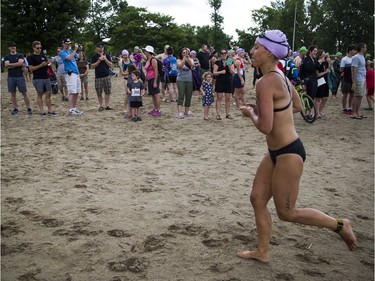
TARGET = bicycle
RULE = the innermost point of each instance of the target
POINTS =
(308, 111)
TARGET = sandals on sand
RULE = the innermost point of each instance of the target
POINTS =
(229, 117)
(218, 117)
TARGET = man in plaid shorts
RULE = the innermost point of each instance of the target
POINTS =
(102, 63)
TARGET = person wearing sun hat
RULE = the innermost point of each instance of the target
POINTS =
(279, 173)
(153, 80)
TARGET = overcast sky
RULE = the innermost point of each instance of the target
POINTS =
(236, 13)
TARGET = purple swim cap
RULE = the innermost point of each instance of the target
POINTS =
(275, 41)
(138, 57)
(125, 52)
(240, 50)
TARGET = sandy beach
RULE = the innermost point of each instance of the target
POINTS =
(98, 197)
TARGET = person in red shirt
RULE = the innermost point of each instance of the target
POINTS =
(370, 86)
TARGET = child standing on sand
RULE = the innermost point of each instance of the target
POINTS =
(135, 92)
(207, 93)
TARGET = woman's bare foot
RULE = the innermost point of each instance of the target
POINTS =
(348, 236)
(256, 255)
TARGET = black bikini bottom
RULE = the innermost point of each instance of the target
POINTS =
(295, 147)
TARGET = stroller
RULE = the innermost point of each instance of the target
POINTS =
(52, 79)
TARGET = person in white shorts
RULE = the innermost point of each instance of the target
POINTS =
(73, 82)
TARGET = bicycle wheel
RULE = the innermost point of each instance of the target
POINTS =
(308, 108)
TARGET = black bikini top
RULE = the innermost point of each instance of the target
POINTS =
(290, 93)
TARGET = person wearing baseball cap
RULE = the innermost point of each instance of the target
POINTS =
(299, 57)
(279, 173)
(102, 63)
(14, 62)
(336, 73)
(73, 81)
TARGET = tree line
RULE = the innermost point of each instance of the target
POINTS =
(330, 24)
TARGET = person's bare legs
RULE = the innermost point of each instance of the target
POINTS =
(356, 105)
(48, 101)
(317, 102)
(39, 101)
(26, 99)
(344, 100)
(261, 193)
(285, 186)
(106, 100)
(73, 100)
(13, 96)
(237, 95)
(285, 189)
(156, 100)
(100, 100)
(370, 101)
(227, 103)
(219, 97)
(322, 105)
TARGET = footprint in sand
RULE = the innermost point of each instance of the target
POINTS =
(45, 221)
(153, 243)
(9, 229)
(8, 250)
(186, 229)
(221, 267)
(312, 272)
(118, 233)
(284, 276)
(14, 200)
(215, 238)
(134, 264)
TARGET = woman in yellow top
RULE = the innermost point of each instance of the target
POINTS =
(279, 173)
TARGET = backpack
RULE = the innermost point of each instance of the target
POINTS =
(291, 70)
(172, 66)
(161, 67)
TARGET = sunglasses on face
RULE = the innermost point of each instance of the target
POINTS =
(263, 35)
(38, 48)
(223, 53)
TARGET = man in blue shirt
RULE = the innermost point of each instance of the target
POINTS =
(14, 62)
(73, 82)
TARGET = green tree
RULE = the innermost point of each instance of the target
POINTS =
(100, 21)
(136, 26)
(219, 38)
(25, 21)
(347, 22)
(330, 24)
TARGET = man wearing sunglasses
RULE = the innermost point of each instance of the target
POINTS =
(14, 62)
(38, 64)
(73, 82)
